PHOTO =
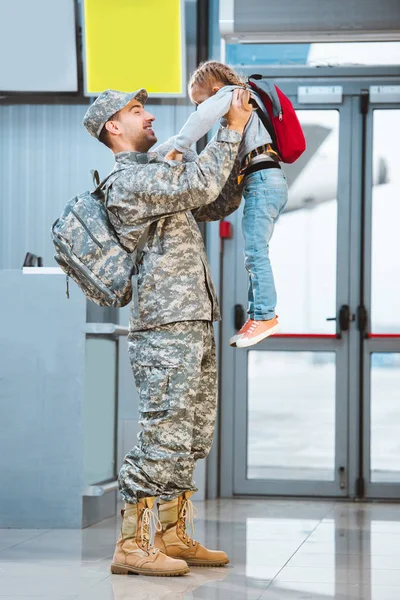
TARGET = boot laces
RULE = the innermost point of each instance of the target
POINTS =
(188, 513)
(150, 524)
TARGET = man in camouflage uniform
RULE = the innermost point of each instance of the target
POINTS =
(171, 342)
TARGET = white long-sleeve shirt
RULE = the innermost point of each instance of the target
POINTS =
(213, 109)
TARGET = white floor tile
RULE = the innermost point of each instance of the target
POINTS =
(12, 537)
(279, 550)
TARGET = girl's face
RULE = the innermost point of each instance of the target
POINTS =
(199, 93)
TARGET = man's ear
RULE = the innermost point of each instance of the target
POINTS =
(112, 127)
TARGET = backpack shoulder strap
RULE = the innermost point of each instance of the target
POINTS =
(261, 111)
(96, 176)
(265, 120)
(135, 272)
(104, 181)
(268, 87)
(142, 240)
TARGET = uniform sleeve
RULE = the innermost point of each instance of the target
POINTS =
(202, 120)
(145, 193)
(226, 203)
(163, 149)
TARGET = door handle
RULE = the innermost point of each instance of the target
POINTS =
(238, 316)
(345, 317)
(342, 478)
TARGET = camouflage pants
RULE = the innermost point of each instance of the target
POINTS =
(174, 367)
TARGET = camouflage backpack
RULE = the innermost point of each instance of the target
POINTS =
(88, 249)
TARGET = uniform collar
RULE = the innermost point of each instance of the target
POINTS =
(141, 158)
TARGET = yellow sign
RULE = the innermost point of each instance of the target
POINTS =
(129, 44)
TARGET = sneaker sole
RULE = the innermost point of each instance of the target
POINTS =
(117, 569)
(233, 340)
(259, 338)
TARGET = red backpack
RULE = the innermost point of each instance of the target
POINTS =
(282, 124)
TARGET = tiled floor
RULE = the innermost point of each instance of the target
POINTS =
(279, 550)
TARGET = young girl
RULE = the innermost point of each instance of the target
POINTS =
(265, 189)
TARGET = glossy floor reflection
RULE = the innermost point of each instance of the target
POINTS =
(279, 550)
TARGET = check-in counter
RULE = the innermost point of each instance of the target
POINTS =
(58, 404)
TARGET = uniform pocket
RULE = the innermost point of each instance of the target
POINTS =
(154, 367)
(153, 389)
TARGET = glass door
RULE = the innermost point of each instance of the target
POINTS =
(315, 410)
(381, 338)
(290, 392)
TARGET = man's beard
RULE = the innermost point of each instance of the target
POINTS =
(145, 142)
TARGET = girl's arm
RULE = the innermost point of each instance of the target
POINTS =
(203, 119)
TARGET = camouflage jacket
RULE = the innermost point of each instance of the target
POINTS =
(174, 281)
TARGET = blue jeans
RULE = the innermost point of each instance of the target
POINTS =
(265, 195)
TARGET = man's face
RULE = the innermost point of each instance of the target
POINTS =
(135, 126)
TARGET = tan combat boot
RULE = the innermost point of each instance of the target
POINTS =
(174, 541)
(134, 552)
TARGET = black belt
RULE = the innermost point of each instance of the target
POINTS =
(259, 166)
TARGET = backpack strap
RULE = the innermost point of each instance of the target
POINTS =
(269, 88)
(102, 183)
(262, 114)
(265, 120)
(142, 241)
(96, 177)
(139, 250)
(135, 272)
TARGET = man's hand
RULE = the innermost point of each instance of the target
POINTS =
(174, 155)
(240, 110)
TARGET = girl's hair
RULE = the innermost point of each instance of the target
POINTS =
(212, 71)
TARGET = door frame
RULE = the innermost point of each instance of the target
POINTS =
(353, 79)
(370, 342)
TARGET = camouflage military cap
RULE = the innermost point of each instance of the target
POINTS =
(106, 105)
